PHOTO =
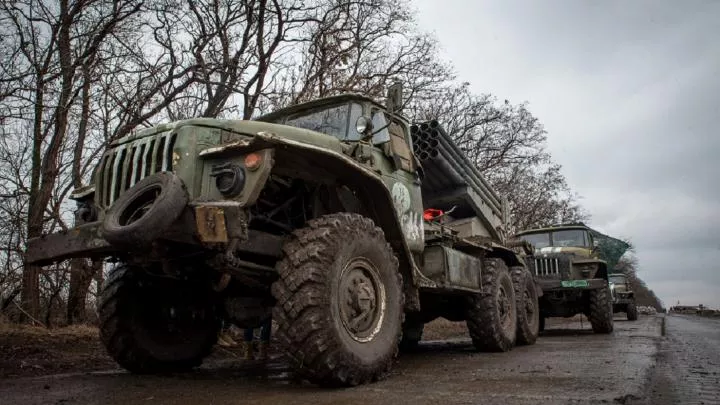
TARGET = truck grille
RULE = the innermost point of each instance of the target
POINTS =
(122, 167)
(547, 266)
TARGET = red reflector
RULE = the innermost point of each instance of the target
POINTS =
(431, 213)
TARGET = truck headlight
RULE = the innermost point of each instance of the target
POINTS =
(229, 179)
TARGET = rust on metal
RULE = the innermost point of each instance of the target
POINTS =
(81, 241)
(210, 223)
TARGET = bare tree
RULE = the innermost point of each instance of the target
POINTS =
(539, 196)
(628, 264)
(507, 144)
(358, 46)
(75, 76)
(52, 41)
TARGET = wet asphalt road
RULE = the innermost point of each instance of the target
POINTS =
(567, 365)
(688, 363)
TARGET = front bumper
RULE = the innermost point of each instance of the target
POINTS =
(81, 241)
(569, 285)
(212, 225)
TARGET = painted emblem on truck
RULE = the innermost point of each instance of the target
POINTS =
(411, 222)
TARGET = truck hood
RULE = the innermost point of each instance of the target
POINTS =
(555, 250)
(246, 128)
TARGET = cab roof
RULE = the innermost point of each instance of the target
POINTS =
(323, 102)
(556, 227)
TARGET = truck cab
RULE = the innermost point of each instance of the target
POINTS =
(574, 279)
(623, 296)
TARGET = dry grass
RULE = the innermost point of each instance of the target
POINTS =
(81, 331)
(32, 350)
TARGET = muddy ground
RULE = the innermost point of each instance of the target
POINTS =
(33, 351)
(569, 364)
(27, 351)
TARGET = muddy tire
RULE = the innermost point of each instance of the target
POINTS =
(491, 315)
(155, 325)
(412, 332)
(145, 211)
(339, 299)
(600, 313)
(632, 312)
(528, 308)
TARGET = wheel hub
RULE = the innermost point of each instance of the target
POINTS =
(361, 300)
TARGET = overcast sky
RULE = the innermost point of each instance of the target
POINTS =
(629, 93)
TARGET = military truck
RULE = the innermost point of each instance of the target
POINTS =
(320, 215)
(574, 279)
(623, 297)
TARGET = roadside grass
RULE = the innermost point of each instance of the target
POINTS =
(40, 331)
(34, 350)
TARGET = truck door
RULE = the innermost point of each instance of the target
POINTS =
(393, 138)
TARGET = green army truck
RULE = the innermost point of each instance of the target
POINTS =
(574, 279)
(623, 297)
(320, 215)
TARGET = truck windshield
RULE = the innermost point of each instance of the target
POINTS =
(617, 279)
(564, 238)
(539, 240)
(332, 121)
(569, 237)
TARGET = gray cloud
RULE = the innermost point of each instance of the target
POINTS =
(629, 93)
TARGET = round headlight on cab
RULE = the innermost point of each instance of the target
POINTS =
(363, 124)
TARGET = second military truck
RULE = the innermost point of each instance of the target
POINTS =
(321, 215)
(623, 297)
(574, 279)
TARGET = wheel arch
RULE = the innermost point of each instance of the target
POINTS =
(508, 256)
(333, 167)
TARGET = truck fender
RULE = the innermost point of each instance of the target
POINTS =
(335, 167)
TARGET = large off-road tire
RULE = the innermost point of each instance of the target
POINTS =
(492, 315)
(339, 299)
(528, 308)
(600, 313)
(151, 324)
(145, 211)
(412, 332)
(632, 312)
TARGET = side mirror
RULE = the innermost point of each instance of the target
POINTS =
(364, 126)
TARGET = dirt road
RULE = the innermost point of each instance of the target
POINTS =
(567, 365)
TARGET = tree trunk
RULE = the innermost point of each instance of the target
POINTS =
(81, 274)
(99, 280)
(30, 296)
(81, 271)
